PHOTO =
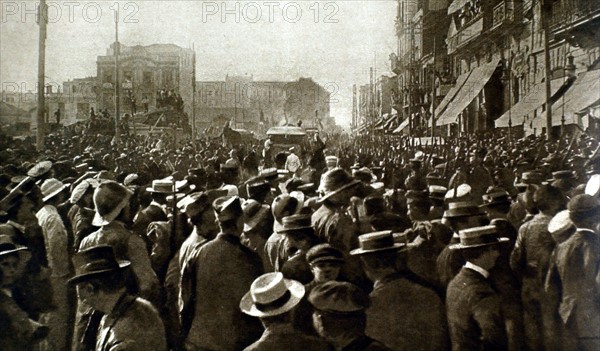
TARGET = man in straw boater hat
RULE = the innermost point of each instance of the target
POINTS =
(225, 269)
(128, 322)
(111, 203)
(402, 303)
(473, 307)
(530, 260)
(578, 271)
(272, 298)
(339, 316)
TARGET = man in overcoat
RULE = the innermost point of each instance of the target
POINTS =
(225, 270)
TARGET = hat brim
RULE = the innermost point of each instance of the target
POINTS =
(253, 222)
(296, 294)
(339, 190)
(328, 259)
(460, 246)
(395, 247)
(100, 221)
(56, 192)
(82, 277)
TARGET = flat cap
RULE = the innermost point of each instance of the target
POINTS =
(339, 297)
(324, 253)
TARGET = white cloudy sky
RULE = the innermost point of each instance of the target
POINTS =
(329, 41)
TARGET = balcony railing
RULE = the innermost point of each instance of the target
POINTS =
(466, 34)
(566, 13)
(504, 12)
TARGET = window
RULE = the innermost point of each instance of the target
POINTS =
(148, 77)
(107, 78)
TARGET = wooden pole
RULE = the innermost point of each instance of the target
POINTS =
(117, 82)
(41, 102)
(547, 68)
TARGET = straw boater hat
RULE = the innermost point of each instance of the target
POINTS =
(271, 295)
(334, 182)
(163, 186)
(462, 209)
(95, 261)
(109, 199)
(478, 237)
(377, 242)
(52, 187)
(592, 187)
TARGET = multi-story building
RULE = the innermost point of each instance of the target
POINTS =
(143, 72)
(258, 105)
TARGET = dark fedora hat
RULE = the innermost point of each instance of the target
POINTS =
(228, 208)
(94, 261)
(109, 199)
(478, 237)
(257, 188)
(377, 242)
(297, 222)
(496, 195)
(374, 205)
(335, 181)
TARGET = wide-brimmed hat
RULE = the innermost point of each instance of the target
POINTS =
(82, 188)
(377, 242)
(254, 214)
(287, 204)
(496, 195)
(94, 261)
(109, 199)
(437, 192)
(294, 223)
(258, 188)
(228, 208)
(8, 247)
(478, 237)
(460, 193)
(462, 209)
(40, 169)
(271, 295)
(52, 187)
(334, 182)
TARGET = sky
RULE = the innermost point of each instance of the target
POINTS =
(333, 42)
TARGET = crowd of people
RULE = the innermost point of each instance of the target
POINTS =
(478, 242)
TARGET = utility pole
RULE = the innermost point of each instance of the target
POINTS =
(433, 93)
(371, 102)
(41, 102)
(194, 93)
(547, 69)
(117, 83)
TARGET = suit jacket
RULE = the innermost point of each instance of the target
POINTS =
(405, 315)
(133, 325)
(225, 269)
(285, 337)
(578, 270)
(474, 313)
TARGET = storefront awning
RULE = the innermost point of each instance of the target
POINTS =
(402, 126)
(469, 91)
(528, 104)
(451, 94)
(584, 93)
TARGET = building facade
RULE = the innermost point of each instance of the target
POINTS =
(143, 72)
(258, 105)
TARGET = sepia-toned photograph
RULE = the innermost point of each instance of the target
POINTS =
(300, 175)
